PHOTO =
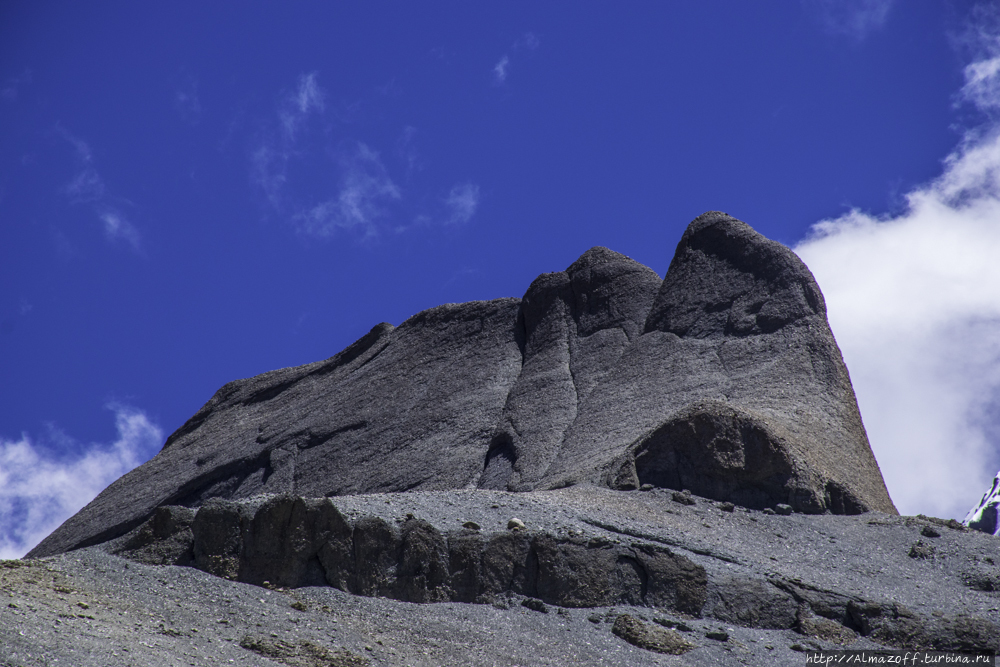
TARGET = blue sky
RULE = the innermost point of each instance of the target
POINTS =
(196, 192)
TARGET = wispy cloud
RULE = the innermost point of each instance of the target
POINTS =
(307, 99)
(500, 69)
(913, 301)
(406, 149)
(270, 158)
(529, 41)
(461, 202)
(116, 228)
(361, 196)
(852, 18)
(365, 191)
(39, 490)
(87, 187)
(187, 103)
(269, 171)
(10, 90)
(981, 39)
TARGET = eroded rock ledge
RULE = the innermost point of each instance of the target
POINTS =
(290, 542)
(570, 553)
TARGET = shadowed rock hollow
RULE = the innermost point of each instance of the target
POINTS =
(723, 378)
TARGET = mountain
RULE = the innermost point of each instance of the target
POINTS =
(723, 378)
(983, 517)
(612, 468)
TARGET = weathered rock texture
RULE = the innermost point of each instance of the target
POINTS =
(723, 378)
(588, 547)
(293, 542)
(985, 516)
(733, 586)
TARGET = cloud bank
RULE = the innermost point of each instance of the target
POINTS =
(39, 490)
(914, 301)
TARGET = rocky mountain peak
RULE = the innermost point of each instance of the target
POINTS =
(985, 516)
(757, 285)
(723, 378)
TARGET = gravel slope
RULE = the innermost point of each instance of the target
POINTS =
(90, 607)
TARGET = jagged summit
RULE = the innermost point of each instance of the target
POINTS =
(722, 378)
(985, 516)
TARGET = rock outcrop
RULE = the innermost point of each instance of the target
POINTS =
(723, 378)
(985, 516)
(588, 547)
(291, 542)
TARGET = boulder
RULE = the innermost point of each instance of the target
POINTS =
(723, 378)
(650, 637)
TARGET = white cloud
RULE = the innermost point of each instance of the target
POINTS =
(364, 191)
(500, 69)
(268, 170)
(914, 300)
(87, 187)
(39, 490)
(854, 18)
(116, 227)
(529, 41)
(188, 103)
(462, 202)
(10, 90)
(269, 161)
(362, 197)
(307, 99)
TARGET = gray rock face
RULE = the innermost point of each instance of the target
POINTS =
(723, 378)
(985, 516)
(292, 542)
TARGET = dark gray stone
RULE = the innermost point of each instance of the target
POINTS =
(736, 359)
(534, 604)
(376, 557)
(650, 637)
(751, 602)
(218, 538)
(812, 625)
(921, 550)
(723, 378)
(349, 424)
(423, 571)
(895, 625)
(302, 654)
(577, 323)
(165, 539)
